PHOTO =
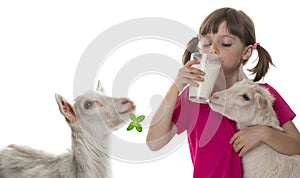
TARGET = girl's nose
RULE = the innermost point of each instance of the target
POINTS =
(214, 48)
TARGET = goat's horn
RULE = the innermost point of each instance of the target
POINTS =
(99, 86)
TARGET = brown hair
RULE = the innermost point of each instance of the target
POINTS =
(239, 24)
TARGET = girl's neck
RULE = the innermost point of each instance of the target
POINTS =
(226, 80)
(235, 76)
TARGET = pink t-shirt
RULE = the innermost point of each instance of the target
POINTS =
(209, 134)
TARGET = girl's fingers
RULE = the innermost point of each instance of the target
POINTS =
(189, 75)
(192, 70)
(191, 62)
(232, 140)
(191, 82)
(192, 74)
(234, 137)
(196, 78)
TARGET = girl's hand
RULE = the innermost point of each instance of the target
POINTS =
(188, 75)
(248, 138)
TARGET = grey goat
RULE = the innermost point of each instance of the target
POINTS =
(92, 117)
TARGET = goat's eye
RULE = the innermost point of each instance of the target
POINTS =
(246, 97)
(88, 105)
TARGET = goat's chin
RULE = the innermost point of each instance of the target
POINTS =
(216, 107)
(115, 124)
(121, 120)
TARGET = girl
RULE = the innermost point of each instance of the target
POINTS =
(215, 144)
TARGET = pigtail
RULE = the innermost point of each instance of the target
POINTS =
(192, 46)
(263, 64)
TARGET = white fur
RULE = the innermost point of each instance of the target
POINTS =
(261, 161)
(90, 127)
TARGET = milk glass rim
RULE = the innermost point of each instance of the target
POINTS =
(213, 57)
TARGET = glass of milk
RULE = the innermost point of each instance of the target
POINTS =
(210, 64)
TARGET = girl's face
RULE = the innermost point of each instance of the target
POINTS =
(229, 49)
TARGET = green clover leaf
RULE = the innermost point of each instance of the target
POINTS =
(140, 118)
(138, 127)
(130, 127)
(135, 122)
(132, 117)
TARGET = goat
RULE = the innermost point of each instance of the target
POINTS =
(92, 117)
(250, 104)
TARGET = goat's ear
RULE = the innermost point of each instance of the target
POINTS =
(99, 87)
(66, 109)
(262, 102)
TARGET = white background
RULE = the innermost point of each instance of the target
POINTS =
(41, 43)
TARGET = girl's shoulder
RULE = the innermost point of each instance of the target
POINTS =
(282, 109)
(266, 85)
(272, 90)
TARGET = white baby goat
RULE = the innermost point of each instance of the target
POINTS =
(249, 104)
(91, 118)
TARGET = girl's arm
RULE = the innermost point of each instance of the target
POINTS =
(286, 142)
(162, 129)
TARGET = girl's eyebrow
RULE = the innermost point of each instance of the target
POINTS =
(229, 36)
(222, 36)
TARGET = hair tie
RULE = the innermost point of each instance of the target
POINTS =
(255, 45)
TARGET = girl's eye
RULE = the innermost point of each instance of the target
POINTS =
(88, 105)
(246, 97)
(226, 44)
(206, 45)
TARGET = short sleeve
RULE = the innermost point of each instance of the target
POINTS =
(177, 117)
(282, 109)
(186, 113)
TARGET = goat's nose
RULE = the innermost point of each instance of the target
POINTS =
(127, 100)
(124, 100)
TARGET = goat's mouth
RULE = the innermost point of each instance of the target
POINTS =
(215, 106)
(132, 105)
(130, 109)
(213, 103)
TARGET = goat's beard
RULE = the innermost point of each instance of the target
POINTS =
(115, 124)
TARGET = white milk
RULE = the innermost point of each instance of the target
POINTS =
(201, 93)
